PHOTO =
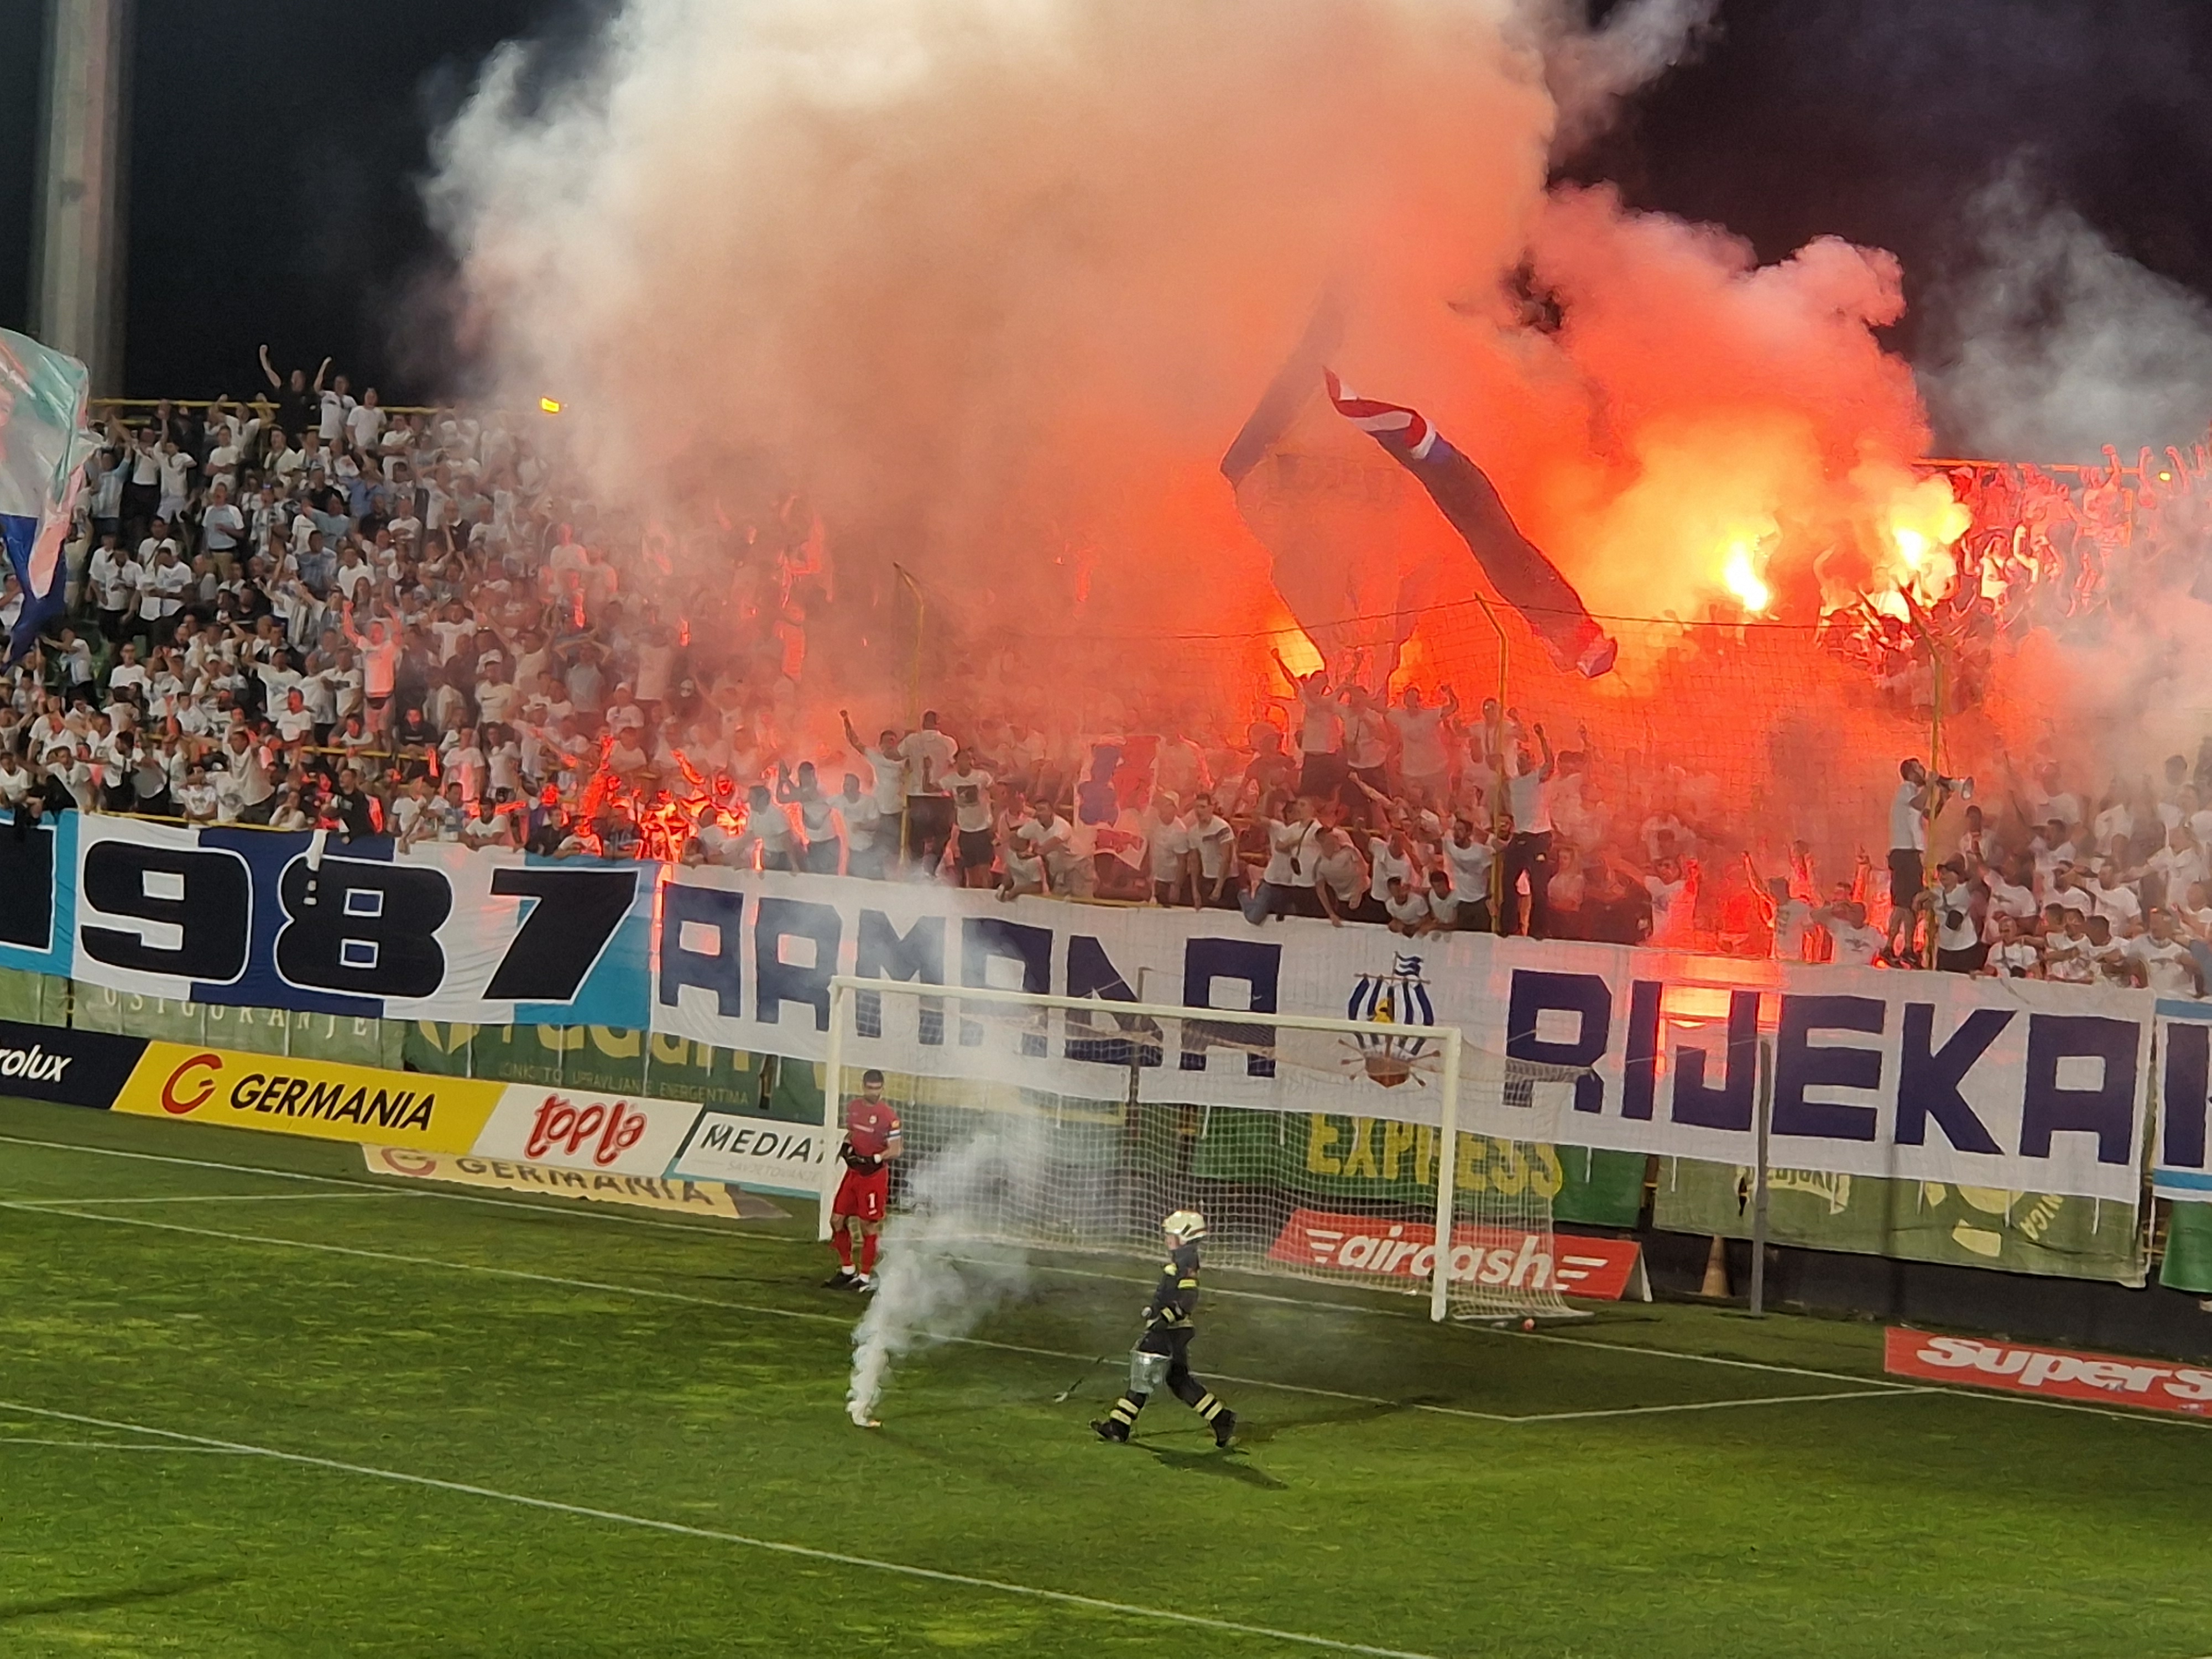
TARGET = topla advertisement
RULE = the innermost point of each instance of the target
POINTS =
(2003, 1085)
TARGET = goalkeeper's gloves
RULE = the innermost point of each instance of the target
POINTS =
(858, 1162)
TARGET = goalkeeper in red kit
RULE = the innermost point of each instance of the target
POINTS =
(856, 1214)
(1162, 1354)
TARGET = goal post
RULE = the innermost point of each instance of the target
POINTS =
(1377, 1184)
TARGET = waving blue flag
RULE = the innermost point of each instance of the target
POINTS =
(43, 445)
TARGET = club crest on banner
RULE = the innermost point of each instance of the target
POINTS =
(1399, 999)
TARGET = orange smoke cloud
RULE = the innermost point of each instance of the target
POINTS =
(998, 281)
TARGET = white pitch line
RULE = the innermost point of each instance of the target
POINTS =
(1001, 1586)
(213, 1198)
(838, 1320)
(114, 1445)
(1874, 1385)
(2139, 1414)
(1468, 1413)
(683, 1227)
(542, 1211)
(1886, 1393)
(1487, 1330)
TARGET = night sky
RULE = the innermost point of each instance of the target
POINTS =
(275, 150)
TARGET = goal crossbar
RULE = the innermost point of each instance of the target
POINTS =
(1449, 1040)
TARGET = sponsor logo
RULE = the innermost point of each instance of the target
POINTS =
(180, 1096)
(609, 1128)
(777, 1144)
(1399, 999)
(32, 1065)
(713, 1197)
(307, 1097)
(2057, 1373)
(754, 1152)
(573, 1127)
(1500, 1257)
(70, 1067)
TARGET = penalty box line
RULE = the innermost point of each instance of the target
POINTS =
(1467, 1413)
(906, 1570)
(696, 1229)
(1870, 1387)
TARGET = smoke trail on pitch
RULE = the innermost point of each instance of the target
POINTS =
(929, 1285)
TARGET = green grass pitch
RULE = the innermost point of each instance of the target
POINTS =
(248, 1413)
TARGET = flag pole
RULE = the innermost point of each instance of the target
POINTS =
(913, 698)
(1498, 894)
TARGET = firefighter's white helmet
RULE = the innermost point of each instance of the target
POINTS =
(1184, 1226)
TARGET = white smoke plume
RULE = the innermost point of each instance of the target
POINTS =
(1590, 71)
(2063, 344)
(930, 1283)
(996, 281)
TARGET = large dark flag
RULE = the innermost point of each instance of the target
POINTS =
(1515, 565)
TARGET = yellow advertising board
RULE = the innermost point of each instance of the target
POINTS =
(297, 1096)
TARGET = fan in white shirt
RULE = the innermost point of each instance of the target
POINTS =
(1342, 878)
(865, 827)
(295, 721)
(1214, 850)
(1856, 945)
(1468, 855)
(2114, 900)
(1407, 908)
(335, 408)
(1167, 841)
(128, 672)
(2164, 962)
(1045, 833)
(111, 575)
(364, 422)
(2180, 862)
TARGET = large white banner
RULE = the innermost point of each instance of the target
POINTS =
(1932, 1077)
(2008, 1085)
(264, 919)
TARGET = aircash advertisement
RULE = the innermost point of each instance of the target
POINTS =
(1934, 1078)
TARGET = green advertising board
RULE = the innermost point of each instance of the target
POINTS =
(1328, 1155)
(125, 1013)
(33, 998)
(2188, 1263)
(1908, 1220)
(604, 1060)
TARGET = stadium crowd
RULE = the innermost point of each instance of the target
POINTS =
(309, 612)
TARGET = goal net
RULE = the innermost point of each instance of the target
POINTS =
(1002, 1149)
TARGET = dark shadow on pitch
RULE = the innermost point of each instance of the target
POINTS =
(127, 1596)
(1227, 1464)
(1249, 1433)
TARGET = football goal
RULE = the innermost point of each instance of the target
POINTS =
(1078, 1123)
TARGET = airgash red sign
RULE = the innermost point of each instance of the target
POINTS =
(1599, 1268)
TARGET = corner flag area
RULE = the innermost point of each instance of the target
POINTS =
(256, 1401)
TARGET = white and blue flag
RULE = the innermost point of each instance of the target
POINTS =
(43, 445)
